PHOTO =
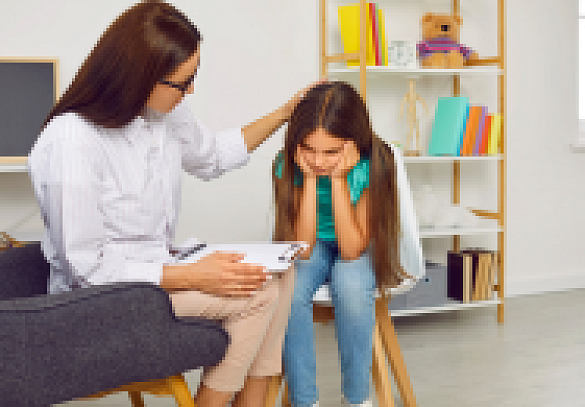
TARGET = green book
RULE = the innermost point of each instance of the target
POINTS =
(449, 125)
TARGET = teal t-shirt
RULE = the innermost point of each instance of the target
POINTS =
(358, 179)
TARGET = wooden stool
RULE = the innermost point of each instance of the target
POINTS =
(385, 346)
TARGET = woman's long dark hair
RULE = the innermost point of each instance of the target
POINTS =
(143, 45)
(337, 108)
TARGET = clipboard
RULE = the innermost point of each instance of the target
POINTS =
(276, 257)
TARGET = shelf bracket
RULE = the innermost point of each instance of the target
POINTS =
(342, 57)
(483, 61)
(486, 214)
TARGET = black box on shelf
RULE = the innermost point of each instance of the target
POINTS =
(429, 291)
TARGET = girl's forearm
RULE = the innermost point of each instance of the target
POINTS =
(350, 239)
(306, 223)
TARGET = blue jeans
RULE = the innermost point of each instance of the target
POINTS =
(352, 292)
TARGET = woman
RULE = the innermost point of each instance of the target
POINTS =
(107, 174)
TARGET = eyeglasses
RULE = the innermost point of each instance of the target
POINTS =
(183, 87)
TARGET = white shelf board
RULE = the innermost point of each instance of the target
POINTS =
(28, 236)
(450, 159)
(449, 306)
(9, 167)
(447, 232)
(482, 70)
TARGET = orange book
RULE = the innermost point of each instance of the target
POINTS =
(470, 130)
(483, 150)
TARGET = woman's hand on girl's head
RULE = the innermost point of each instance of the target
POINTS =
(350, 156)
(302, 163)
(292, 103)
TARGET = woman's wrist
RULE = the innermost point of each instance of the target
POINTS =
(288, 108)
(178, 277)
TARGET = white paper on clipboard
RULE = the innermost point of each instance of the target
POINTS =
(276, 257)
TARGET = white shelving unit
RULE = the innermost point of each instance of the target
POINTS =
(490, 67)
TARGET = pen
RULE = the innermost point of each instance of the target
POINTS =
(192, 250)
(287, 256)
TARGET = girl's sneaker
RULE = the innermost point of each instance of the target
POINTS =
(367, 403)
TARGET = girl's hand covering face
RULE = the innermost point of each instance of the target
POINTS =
(348, 159)
(302, 163)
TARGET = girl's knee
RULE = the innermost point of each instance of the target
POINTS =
(354, 276)
(353, 286)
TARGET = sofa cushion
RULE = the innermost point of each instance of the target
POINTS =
(24, 272)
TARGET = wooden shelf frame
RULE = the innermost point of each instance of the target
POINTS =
(498, 61)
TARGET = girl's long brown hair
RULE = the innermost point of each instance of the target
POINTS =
(143, 45)
(337, 108)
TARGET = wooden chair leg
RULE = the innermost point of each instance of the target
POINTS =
(273, 390)
(392, 347)
(136, 398)
(380, 372)
(180, 390)
(285, 402)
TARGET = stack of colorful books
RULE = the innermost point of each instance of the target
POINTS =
(464, 130)
(349, 25)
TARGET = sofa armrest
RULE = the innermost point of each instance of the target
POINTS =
(63, 346)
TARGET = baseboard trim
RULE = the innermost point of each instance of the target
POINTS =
(543, 284)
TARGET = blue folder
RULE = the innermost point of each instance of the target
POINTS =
(449, 126)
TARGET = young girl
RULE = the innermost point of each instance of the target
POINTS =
(336, 188)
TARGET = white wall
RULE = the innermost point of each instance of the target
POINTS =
(257, 53)
(546, 221)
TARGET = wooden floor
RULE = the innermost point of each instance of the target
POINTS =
(464, 358)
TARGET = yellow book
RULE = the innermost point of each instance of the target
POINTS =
(485, 258)
(467, 277)
(490, 285)
(383, 44)
(349, 25)
(478, 280)
(371, 47)
(495, 137)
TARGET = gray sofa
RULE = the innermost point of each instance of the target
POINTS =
(59, 347)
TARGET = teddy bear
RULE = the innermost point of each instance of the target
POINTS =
(440, 47)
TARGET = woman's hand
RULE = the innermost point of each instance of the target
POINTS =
(222, 274)
(292, 103)
(349, 158)
(300, 160)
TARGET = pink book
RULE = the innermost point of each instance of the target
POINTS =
(480, 133)
(375, 35)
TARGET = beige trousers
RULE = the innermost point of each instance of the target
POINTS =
(256, 325)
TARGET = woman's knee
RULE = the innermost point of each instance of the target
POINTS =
(268, 297)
